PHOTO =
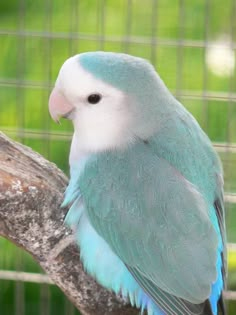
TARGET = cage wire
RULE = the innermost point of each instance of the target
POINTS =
(191, 44)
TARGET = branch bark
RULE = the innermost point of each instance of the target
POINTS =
(31, 191)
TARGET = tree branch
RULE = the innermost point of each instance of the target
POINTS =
(31, 191)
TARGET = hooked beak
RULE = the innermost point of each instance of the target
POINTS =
(59, 106)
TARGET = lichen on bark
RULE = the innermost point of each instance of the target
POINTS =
(31, 191)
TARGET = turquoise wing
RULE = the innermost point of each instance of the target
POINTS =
(156, 222)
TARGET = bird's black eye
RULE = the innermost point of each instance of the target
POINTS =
(94, 98)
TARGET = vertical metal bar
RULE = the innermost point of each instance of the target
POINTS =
(44, 299)
(47, 57)
(69, 308)
(19, 294)
(154, 31)
(205, 70)
(232, 26)
(128, 26)
(20, 97)
(47, 61)
(74, 26)
(72, 10)
(101, 23)
(179, 67)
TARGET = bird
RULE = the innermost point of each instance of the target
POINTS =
(145, 194)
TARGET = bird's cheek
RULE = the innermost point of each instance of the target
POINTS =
(59, 106)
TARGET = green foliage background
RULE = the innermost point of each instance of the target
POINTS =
(29, 62)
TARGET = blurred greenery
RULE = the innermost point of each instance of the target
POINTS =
(29, 62)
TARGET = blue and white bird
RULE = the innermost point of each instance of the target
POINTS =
(146, 186)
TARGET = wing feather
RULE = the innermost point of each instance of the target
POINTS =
(156, 221)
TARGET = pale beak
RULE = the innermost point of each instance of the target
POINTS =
(59, 106)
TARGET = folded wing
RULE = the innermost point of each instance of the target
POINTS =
(156, 222)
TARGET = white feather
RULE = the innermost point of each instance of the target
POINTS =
(101, 126)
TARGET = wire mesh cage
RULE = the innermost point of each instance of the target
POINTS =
(191, 44)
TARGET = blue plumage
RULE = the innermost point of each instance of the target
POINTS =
(107, 268)
(146, 187)
(98, 259)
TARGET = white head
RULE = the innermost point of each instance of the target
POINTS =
(104, 102)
